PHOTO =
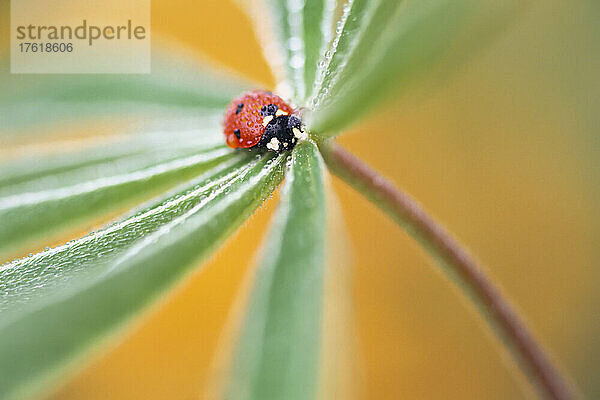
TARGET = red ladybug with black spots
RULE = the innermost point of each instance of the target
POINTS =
(259, 119)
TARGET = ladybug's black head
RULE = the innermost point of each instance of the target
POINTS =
(271, 109)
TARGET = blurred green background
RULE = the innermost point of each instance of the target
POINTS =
(505, 154)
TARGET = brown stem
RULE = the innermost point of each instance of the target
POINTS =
(447, 251)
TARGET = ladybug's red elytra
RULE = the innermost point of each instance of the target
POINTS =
(259, 119)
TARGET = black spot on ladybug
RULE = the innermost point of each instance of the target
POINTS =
(271, 109)
(237, 133)
(239, 108)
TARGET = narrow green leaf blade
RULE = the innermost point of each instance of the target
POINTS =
(36, 204)
(35, 169)
(359, 27)
(398, 44)
(63, 304)
(178, 86)
(279, 346)
(317, 18)
(283, 33)
(304, 29)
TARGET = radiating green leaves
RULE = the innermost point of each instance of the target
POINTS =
(60, 304)
(385, 45)
(279, 346)
(47, 195)
(304, 30)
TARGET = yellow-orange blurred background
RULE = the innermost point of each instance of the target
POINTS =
(504, 154)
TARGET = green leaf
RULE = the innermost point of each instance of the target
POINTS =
(317, 32)
(102, 156)
(360, 25)
(385, 46)
(279, 346)
(178, 86)
(61, 305)
(304, 29)
(38, 201)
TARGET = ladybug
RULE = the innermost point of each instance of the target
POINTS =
(259, 119)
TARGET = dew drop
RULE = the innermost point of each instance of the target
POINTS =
(297, 61)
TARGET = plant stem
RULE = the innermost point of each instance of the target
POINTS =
(458, 262)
